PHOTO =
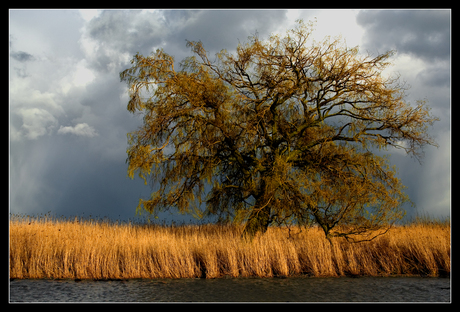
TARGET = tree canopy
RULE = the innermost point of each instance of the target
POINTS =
(283, 130)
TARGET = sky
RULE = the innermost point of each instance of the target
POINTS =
(68, 121)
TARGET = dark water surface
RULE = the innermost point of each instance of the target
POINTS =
(293, 289)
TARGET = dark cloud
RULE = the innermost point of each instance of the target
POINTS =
(70, 177)
(135, 31)
(21, 56)
(436, 75)
(222, 29)
(422, 33)
(422, 41)
(118, 35)
(109, 41)
(73, 161)
(127, 31)
(68, 141)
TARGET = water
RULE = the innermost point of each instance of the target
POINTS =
(293, 289)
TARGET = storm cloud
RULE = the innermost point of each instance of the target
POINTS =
(420, 33)
(68, 117)
(423, 60)
(21, 56)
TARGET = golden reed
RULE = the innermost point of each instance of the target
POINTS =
(79, 249)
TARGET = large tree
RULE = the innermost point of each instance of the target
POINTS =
(283, 130)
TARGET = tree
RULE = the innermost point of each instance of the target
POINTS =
(278, 131)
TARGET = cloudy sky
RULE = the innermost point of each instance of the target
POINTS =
(68, 118)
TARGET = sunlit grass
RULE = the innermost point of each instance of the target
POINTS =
(75, 248)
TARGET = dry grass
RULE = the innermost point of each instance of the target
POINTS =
(102, 250)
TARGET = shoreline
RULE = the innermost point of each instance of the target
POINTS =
(103, 251)
(231, 277)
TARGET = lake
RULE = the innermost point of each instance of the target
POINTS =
(292, 289)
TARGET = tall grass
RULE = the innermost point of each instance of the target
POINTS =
(78, 249)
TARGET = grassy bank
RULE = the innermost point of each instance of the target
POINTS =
(102, 250)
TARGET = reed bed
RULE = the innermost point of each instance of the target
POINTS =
(79, 249)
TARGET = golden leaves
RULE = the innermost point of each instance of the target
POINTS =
(279, 125)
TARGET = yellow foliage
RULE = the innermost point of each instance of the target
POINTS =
(282, 130)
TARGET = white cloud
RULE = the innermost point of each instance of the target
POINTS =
(83, 75)
(77, 75)
(339, 23)
(88, 14)
(36, 122)
(33, 113)
(81, 129)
